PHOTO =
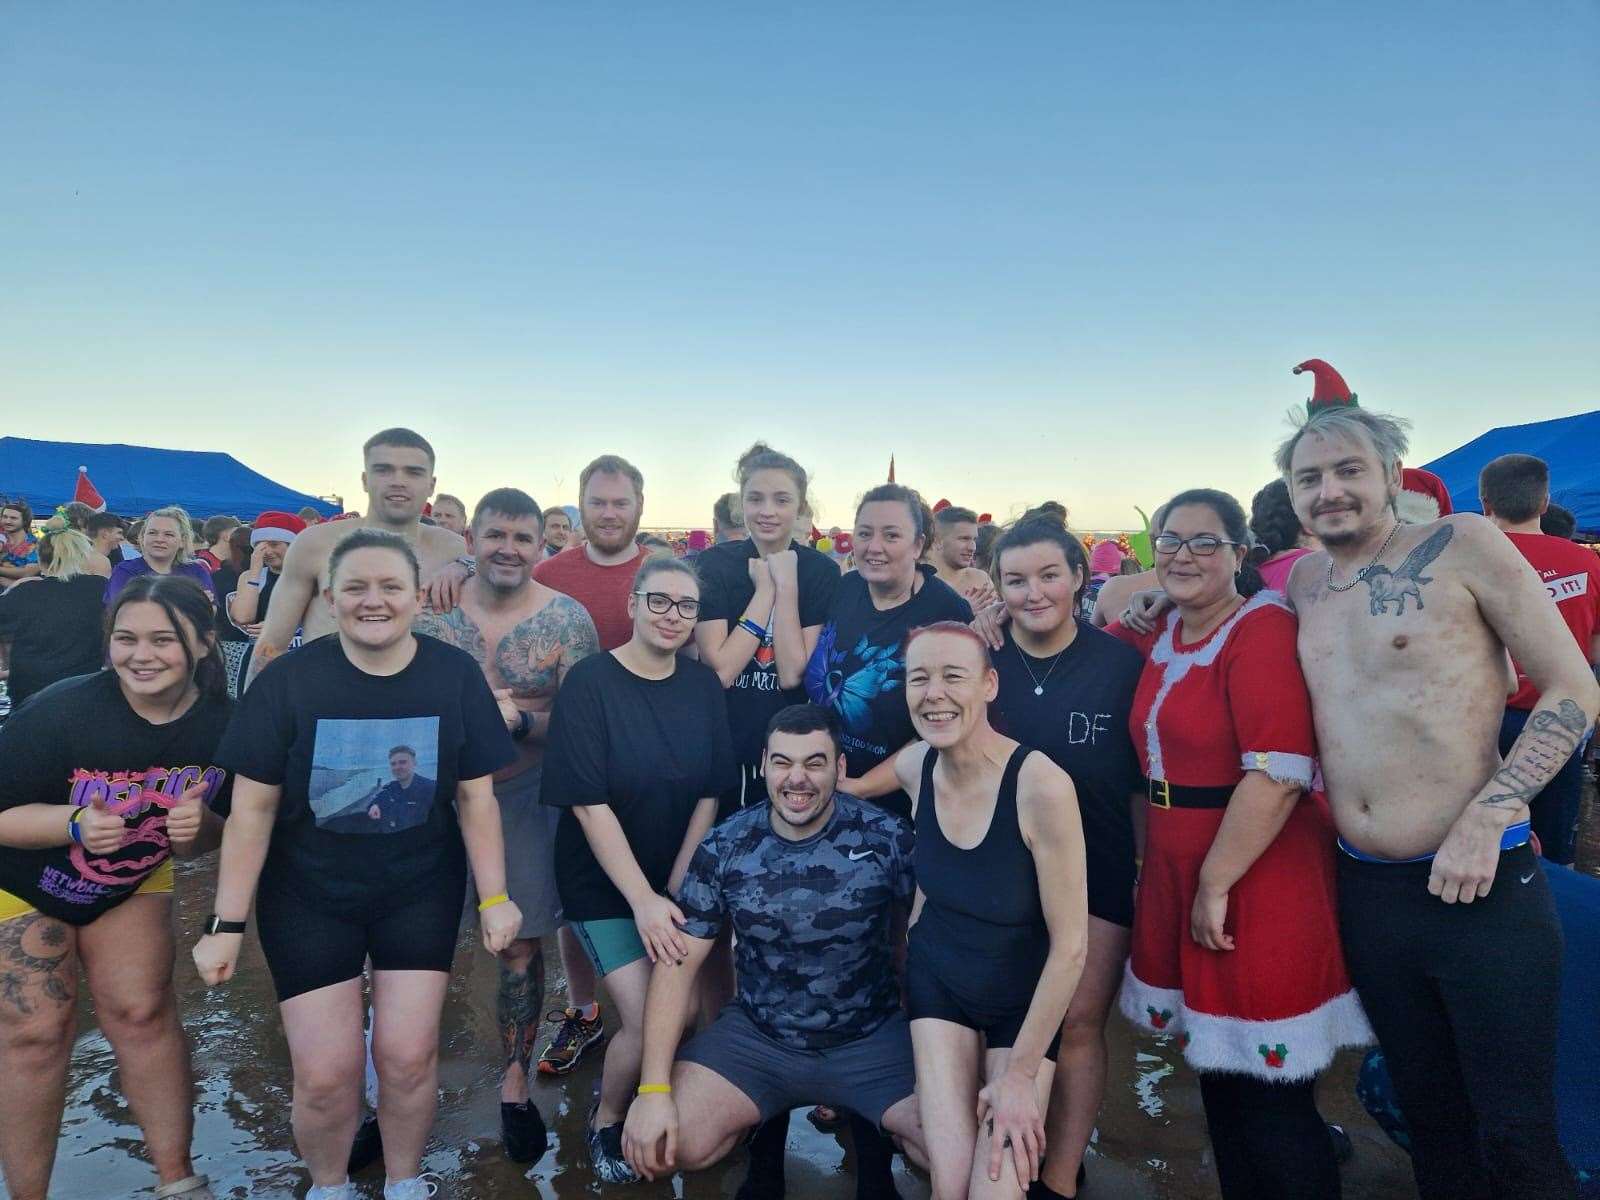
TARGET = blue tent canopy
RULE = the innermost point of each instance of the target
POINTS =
(1571, 445)
(135, 479)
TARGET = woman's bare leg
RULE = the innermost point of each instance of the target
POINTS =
(626, 986)
(1008, 1186)
(948, 1058)
(127, 960)
(1081, 1068)
(328, 1053)
(405, 1047)
(38, 994)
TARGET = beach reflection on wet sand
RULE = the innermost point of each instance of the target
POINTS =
(1151, 1138)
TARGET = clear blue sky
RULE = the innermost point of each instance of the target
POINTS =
(1035, 250)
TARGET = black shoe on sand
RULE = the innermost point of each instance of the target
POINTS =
(522, 1132)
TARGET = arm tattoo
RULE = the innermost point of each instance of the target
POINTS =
(1547, 741)
(534, 657)
(1392, 587)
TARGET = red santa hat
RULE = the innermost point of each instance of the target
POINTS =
(1423, 497)
(1329, 390)
(941, 506)
(276, 527)
(85, 492)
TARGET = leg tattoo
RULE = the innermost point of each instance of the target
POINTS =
(33, 949)
(517, 1009)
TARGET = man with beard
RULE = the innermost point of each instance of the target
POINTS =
(816, 884)
(597, 573)
(1448, 927)
(398, 478)
(525, 636)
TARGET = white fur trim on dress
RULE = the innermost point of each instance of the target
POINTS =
(1284, 767)
(1178, 662)
(1290, 1050)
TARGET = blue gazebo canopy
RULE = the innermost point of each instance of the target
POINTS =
(1571, 445)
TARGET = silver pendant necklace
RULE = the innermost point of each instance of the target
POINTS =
(1361, 574)
(1038, 683)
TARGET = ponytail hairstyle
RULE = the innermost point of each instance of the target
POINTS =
(63, 551)
(189, 609)
(1035, 530)
(898, 493)
(1246, 579)
(762, 457)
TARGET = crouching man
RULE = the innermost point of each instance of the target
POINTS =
(816, 885)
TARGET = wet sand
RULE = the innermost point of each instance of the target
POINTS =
(1151, 1142)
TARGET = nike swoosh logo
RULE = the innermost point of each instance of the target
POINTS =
(1527, 877)
(858, 855)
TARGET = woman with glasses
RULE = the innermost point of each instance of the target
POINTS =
(638, 753)
(1235, 941)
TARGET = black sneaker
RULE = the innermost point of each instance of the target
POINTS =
(368, 1146)
(605, 1153)
(522, 1132)
(768, 1143)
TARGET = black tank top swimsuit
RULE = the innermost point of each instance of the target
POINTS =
(981, 934)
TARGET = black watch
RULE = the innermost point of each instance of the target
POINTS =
(215, 924)
(524, 727)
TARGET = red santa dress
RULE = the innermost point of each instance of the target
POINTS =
(1280, 1004)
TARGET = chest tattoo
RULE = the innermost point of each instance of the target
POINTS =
(532, 657)
(1388, 587)
(454, 628)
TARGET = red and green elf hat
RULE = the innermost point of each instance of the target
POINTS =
(1330, 390)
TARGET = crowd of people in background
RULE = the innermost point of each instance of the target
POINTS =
(878, 823)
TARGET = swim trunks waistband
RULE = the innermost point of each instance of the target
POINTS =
(1514, 836)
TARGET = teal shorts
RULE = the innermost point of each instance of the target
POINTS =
(611, 944)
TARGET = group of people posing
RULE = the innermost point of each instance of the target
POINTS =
(865, 841)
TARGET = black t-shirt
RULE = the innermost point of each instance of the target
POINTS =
(859, 668)
(649, 748)
(55, 629)
(1081, 723)
(226, 581)
(78, 741)
(725, 593)
(363, 757)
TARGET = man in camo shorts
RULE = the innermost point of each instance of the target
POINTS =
(815, 883)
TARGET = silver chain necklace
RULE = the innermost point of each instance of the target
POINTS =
(1361, 574)
(1038, 684)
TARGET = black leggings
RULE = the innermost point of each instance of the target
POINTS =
(1269, 1140)
(1463, 1000)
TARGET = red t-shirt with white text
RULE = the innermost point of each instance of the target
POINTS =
(1571, 576)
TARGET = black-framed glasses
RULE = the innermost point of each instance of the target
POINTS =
(660, 602)
(1201, 545)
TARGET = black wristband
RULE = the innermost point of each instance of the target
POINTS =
(215, 924)
(524, 727)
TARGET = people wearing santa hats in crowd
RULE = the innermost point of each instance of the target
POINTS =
(1235, 937)
(1514, 490)
(166, 547)
(954, 549)
(1280, 540)
(1444, 910)
(270, 538)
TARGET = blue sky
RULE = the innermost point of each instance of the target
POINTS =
(1034, 250)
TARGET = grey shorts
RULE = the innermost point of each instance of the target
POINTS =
(528, 829)
(868, 1076)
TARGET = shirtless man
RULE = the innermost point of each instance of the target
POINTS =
(525, 636)
(1448, 927)
(398, 478)
(955, 545)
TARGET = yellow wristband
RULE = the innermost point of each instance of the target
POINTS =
(498, 898)
(655, 1089)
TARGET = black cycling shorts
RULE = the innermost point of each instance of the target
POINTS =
(928, 996)
(308, 948)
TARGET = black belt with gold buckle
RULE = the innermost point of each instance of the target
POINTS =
(1162, 794)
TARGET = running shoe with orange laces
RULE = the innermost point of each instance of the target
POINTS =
(573, 1036)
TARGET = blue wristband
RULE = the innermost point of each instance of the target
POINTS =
(74, 830)
(749, 626)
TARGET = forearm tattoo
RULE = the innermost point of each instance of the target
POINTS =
(33, 950)
(517, 1011)
(1546, 742)
(1392, 587)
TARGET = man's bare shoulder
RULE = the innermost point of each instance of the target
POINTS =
(437, 542)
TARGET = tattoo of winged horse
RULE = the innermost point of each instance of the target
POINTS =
(1406, 579)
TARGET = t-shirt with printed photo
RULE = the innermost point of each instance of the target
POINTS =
(368, 765)
(858, 669)
(811, 918)
(77, 741)
(725, 593)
